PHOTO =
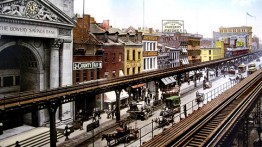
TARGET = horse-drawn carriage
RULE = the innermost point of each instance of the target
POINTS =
(122, 134)
(172, 106)
(199, 97)
(143, 113)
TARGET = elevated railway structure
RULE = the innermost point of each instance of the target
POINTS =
(66, 94)
(215, 123)
(51, 99)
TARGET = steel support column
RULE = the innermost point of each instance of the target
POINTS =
(53, 134)
(118, 91)
(195, 78)
(245, 133)
(207, 74)
(156, 93)
(178, 79)
(216, 71)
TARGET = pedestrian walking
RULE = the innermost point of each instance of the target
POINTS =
(1, 128)
(17, 144)
(66, 133)
(81, 124)
(148, 101)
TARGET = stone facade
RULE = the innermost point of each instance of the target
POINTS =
(36, 39)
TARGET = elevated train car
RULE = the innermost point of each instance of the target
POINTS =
(236, 52)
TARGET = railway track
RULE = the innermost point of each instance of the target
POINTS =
(30, 97)
(208, 125)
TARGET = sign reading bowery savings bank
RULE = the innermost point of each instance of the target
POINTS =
(27, 30)
(87, 65)
(172, 26)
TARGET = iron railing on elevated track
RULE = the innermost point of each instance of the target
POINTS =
(173, 134)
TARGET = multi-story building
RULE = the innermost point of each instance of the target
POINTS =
(113, 52)
(255, 42)
(206, 43)
(235, 31)
(193, 48)
(150, 52)
(87, 59)
(208, 54)
(35, 54)
(133, 57)
(176, 46)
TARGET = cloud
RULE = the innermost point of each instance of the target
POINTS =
(243, 2)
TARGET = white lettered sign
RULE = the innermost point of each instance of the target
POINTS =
(27, 30)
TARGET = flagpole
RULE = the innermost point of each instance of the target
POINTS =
(83, 21)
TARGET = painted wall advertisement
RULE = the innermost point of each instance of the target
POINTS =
(172, 26)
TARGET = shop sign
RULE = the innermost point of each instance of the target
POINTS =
(150, 53)
(150, 38)
(87, 65)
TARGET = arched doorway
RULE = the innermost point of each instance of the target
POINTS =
(19, 72)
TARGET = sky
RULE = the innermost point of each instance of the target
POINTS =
(200, 16)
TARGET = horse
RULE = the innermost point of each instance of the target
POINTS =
(109, 137)
(167, 113)
(133, 134)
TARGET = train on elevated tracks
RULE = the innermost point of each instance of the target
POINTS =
(236, 52)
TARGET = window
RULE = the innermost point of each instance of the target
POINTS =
(8, 81)
(17, 80)
(151, 63)
(106, 75)
(138, 69)
(210, 59)
(113, 57)
(134, 55)
(120, 57)
(127, 70)
(144, 46)
(209, 52)
(92, 76)
(139, 54)
(134, 70)
(84, 75)
(144, 64)
(127, 55)
(98, 73)
(105, 57)
(114, 74)
(78, 76)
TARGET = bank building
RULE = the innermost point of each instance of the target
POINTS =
(36, 41)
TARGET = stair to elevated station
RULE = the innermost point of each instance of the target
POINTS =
(37, 140)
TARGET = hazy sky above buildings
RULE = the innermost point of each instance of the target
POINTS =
(200, 16)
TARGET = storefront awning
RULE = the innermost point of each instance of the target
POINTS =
(168, 80)
(110, 97)
(121, 73)
(139, 85)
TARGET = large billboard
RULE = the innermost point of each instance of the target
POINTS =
(172, 26)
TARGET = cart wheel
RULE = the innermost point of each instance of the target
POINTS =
(133, 116)
(146, 116)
